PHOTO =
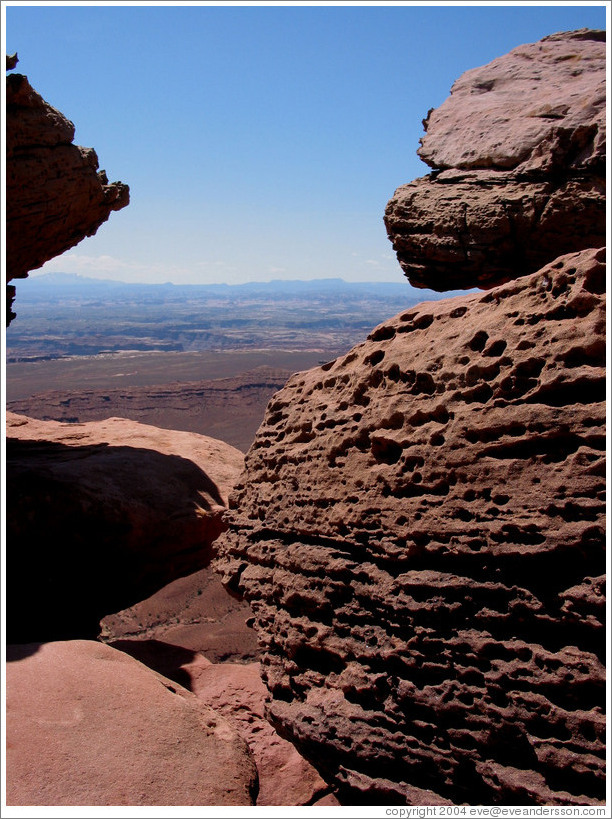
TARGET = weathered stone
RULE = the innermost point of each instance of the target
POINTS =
(540, 107)
(237, 692)
(101, 515)
(88, 725)
(519, 156)
(55, 195)
(459, 230)
(420, 532)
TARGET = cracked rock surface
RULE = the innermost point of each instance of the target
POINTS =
(518, 159)
(420, 533)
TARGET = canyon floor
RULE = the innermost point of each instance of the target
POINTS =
(203, 359)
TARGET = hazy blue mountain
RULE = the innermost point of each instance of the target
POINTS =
(57, 286)
(62, 314)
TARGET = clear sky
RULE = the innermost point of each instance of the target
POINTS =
(259, 142)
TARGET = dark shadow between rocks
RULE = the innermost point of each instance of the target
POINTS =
(164, 658)
(93, 529)
(20, 651)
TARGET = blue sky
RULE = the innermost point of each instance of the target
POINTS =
(259, 142)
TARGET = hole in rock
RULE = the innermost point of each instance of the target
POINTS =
(382, 333)
(375, 358)
(479, 341)
(496, 348)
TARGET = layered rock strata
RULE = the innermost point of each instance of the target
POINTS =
(88, 725)
(518, 158)
(55, 194)
(420, 533)
(100, 515)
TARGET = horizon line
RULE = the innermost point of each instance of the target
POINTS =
(169, 283)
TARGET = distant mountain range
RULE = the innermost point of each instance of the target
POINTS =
(60, 285)
(62, 314)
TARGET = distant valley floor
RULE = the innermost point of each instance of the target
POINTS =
(168, 390)
(203, 359)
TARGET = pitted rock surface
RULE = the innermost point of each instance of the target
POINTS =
(88, 725)
(518, 152)
(100, 515)
(420, 533)
(55, 194)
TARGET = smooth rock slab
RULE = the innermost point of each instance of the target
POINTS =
(237, 691)
(88, 725)
(420, 531)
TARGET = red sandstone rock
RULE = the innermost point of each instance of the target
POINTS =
(88, 725)
(519, 156)
(420, 533)
(194, 613)
(542, 106)
(101, 515)
(55, 195)
(237, 692)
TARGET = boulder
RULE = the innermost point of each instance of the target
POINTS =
(518, 152)
(237, 692)
(235, 689)
(55, 194)
(420, 533)
(88, 725)
(103, 514)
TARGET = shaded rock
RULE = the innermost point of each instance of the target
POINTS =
(194, 613)
(88, 725)
(101, 515)
(237, 691)
(420, 532)
(518, 151)
(55, 194)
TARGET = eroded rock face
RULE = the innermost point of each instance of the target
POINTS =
(420, 533)
(100, 515)
(55, 194)
(88, 725)
(518, 152)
